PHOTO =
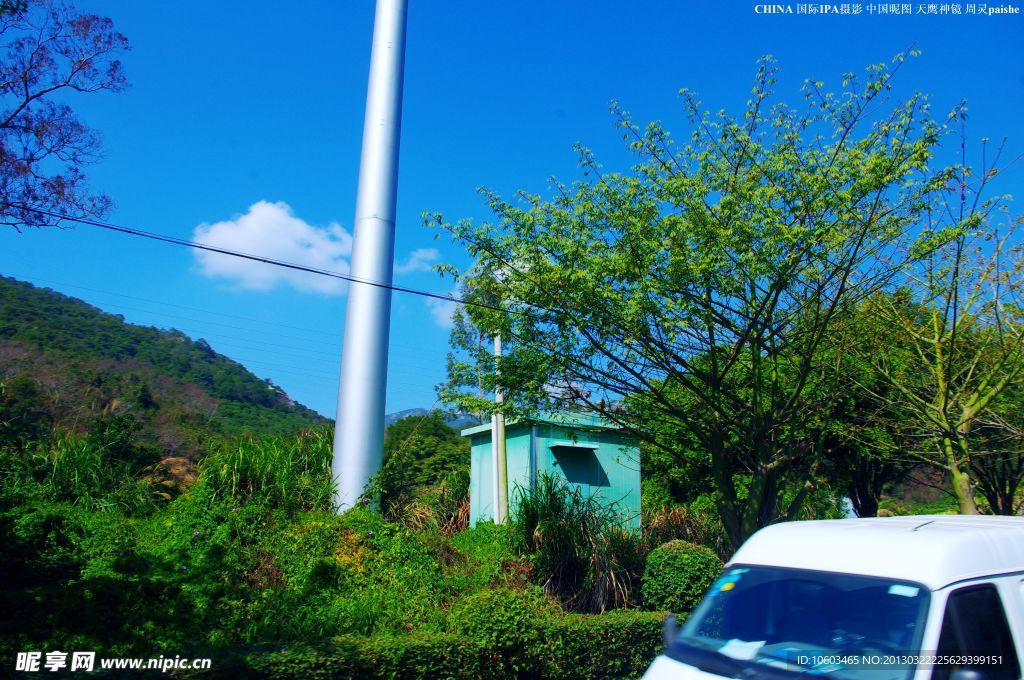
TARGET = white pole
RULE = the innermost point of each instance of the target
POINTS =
(494, 469)
(359, 429)
(498, 433)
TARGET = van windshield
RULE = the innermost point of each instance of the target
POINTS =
(790, 621)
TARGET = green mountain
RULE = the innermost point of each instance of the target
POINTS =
(66, 365)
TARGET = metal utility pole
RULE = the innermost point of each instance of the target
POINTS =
(359, 428)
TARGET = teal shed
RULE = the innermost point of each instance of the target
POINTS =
(590, 453)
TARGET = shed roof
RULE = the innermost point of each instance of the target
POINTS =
(582, 421)
(934, 550)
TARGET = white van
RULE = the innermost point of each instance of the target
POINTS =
(928, 596)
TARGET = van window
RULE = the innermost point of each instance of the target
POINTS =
(759, 621)
(975, 625)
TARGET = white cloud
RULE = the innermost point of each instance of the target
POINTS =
(419, 260)
(271, 230)
(442, 311)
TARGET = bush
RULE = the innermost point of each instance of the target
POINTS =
(486, 550)
(237, 561)
(677, 576)
(84, 580)
(578, 549)
(77, 470)
(618, 644)
(507, 622)
(614, 645)
(442, 508)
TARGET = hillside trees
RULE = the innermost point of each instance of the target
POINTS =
(50, 49)
(65, 364)
(715, 269)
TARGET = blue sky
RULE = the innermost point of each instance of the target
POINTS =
(246, 117)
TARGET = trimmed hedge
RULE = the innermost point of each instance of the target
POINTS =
(677, 575)
(510, 624)
(616, 644)
(612, 645)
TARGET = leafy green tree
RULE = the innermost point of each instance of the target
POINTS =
(420, 452)
(867, 440)
(715, 268)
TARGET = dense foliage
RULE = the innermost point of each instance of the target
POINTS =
(613, 645)
(711, 298)
(677, 575)
(249, 564)
(421, 452)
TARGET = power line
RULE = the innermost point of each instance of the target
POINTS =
(155, 316)
(39, 280)
(231, 342)
(266, 260)
(235, 343)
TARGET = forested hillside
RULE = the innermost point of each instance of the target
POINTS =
(67, 365)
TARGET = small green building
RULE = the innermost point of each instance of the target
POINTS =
(590, 453)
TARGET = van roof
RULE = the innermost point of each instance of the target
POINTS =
(934, 550)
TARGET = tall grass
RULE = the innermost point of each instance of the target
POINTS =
(443, 508)
(699, 523)
(578, 548)
(73, 469)
(291, 474)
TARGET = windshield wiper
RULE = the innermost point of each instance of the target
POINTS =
(707, 658)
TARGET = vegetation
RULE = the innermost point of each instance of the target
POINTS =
(65, 366)
(728, 300)
(614, 645)
(250, 565)
(785, 309)
(677, 575)
(420, 452)
(960, 321)
(576, 546)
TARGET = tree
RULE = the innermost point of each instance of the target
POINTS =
(49, 50)
(867, 441)
(420, 452)
(997, 457)
(715, 270)
(961, 314)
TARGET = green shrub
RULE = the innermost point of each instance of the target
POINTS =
(442, 508)
(508, 622)
(430, 656)
(617, 644)
(74, 469)
(677, 575)
(421, 452)
(341, 659)
(577, 546)
(87, 580)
